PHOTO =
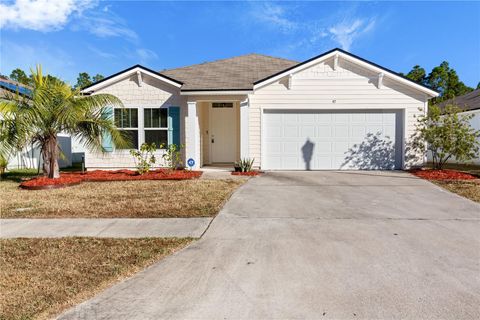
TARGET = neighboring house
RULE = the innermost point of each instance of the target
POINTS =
(470, 104)
(29, 157)
(334, 111)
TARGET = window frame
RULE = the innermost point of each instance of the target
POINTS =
(129, 128)
(155, 128)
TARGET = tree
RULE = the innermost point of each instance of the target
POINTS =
(83, 80)
(478, 85)
(445, 80)
(54, 107)
(442, 78)
(417, 74)
(446, 134)
(20, 76)
(97, 78)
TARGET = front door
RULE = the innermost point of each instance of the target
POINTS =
(223, 130)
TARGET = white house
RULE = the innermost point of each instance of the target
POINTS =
(334, 111)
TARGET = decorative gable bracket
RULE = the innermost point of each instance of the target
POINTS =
(139, 78)
(335, 62)
(290, 81)
(380, 80)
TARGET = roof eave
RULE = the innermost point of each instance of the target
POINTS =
(119, 75)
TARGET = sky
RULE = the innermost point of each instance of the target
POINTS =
(68, 36)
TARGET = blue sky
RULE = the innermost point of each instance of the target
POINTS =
(69, 36)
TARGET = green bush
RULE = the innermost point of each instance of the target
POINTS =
(144, 157)
(172, 156)
(446, 134)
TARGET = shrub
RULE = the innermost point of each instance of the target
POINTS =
(446, 135)
(144, 157)
(172, 156)
(245, 164)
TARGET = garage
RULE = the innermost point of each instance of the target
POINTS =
(332, 139)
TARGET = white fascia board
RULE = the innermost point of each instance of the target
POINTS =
(364, 64)
(214, 93)
(127, 74)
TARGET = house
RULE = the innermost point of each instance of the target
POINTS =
(470, 104)
(29, 157)
(333, 111)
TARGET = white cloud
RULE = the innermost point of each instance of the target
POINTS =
(40, 15)
(145, 55)
(346, 32)
(101, 53)
(105, 24)
(273, 15)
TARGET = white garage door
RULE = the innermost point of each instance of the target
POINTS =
(315, 140)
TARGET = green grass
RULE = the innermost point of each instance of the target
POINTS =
(18, 175)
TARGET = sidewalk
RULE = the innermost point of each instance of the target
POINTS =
(105, 228)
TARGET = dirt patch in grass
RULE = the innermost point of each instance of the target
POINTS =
(469, 189)
(41, 277)
(125, 199)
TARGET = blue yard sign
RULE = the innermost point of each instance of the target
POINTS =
(191, 163)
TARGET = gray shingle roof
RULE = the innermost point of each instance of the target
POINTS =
(469, 101)
(237, 73)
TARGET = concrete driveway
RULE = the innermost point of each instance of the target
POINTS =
(310, 245)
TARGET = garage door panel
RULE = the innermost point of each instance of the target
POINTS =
(360, 139)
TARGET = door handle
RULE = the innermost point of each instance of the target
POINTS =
(213, 140)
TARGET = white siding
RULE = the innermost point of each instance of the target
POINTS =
(153, 93)
(320, 87)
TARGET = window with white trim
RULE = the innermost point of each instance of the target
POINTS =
(156, 126)
(126, 119)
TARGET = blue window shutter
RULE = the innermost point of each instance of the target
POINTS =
(106, 137)
(174, 125)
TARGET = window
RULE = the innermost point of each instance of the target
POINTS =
(126, 119)
(222, 105)
(156, 126)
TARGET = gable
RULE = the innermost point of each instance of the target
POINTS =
(335, 59)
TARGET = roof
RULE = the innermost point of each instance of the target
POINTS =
(14, 86)
(469, 101)
(237, 73)
(353, 57)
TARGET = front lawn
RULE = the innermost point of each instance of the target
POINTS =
(41, 277)
(122, 199)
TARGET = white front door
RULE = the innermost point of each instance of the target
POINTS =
(223, 132)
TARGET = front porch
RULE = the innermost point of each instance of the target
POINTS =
(216, 130)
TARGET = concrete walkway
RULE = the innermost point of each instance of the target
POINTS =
(316, 245)
(106, 228)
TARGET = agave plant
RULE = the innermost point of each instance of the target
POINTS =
(51, 108)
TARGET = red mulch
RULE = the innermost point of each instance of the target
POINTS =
(69, 178)
(249, 173)
(431, 174)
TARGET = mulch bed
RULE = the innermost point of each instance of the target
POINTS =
(73, 178)
(431, 174)
(249, 173)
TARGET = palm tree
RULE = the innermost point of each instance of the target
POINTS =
(52, 108)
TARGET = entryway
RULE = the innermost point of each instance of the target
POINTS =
(223, 132)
